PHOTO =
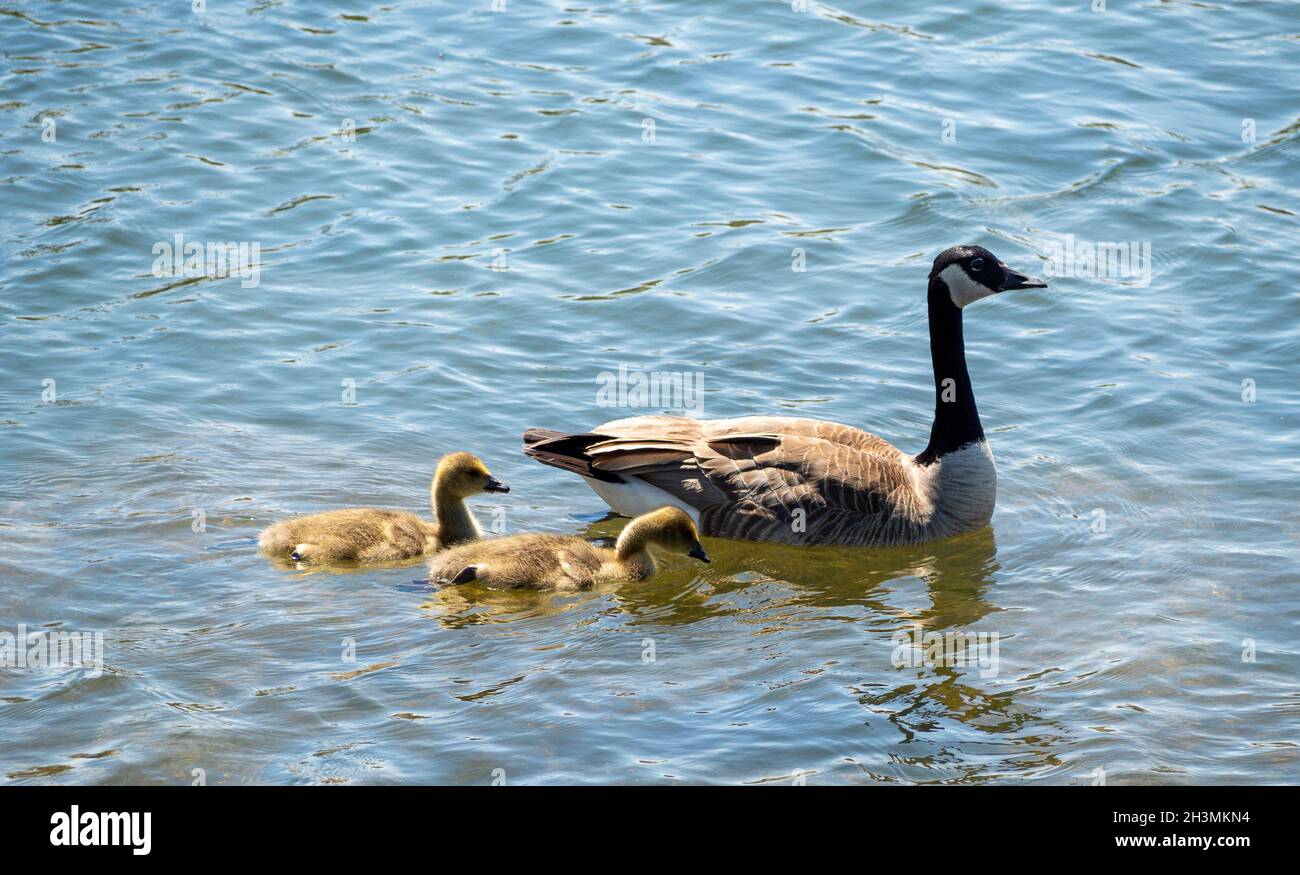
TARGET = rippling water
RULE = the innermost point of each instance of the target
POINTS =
(465, 216)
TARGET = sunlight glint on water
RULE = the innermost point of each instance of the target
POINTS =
(463, 221)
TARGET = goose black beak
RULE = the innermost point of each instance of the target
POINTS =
(1017, 280)
(495, 485)
(698, 553)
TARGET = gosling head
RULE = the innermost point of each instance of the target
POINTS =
(673, 529)
(968, 273)
(464, 474)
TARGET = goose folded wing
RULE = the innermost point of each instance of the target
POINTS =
(743, 482)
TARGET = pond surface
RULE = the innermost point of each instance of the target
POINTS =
(465, 217)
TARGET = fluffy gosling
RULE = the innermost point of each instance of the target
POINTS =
(368, 534)
(567, 562)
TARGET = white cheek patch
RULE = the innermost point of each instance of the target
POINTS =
(961, 288)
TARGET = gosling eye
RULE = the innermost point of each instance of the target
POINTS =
(977, 263)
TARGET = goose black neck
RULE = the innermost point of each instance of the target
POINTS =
(956, 421)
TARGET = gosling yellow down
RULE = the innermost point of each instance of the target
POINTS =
(368, 534)
(566, 562)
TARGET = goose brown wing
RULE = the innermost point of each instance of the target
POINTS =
(767, 478)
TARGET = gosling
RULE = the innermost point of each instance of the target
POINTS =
(368, 534)
(567, 562)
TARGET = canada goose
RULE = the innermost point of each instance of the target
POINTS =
(806, 481)
(370, 534)
(567, 562)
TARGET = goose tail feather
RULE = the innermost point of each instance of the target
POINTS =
(568, 452)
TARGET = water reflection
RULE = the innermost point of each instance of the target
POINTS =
(957, 574)
(921, 723)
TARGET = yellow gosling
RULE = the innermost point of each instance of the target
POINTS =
(567, 562)
(368, 534)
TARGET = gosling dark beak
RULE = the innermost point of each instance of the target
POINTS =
(1017, 280)
(495, 485)
(698, 553)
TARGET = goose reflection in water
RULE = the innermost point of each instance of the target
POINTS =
(936, 709)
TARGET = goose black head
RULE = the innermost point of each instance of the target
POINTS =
(971, 272)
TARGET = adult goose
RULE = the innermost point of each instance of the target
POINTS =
(807, 481)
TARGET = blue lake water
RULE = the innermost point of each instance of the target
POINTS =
(464, 217)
